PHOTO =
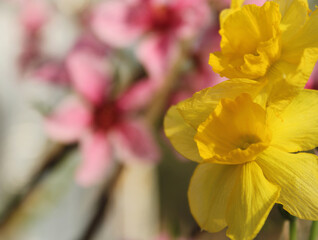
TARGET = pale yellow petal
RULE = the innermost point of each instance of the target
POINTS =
(196, 109)
(294, 15)
(296, 69)
(297, 175)
(296, 128)
(235, 5)
(250, 202)
(181, 135)
(209, 191)
(286, 5)
(306, 37)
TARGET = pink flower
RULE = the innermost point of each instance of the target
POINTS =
(163, 25)
(105, 127)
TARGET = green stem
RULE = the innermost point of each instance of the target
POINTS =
(293, 228)
(314, 231)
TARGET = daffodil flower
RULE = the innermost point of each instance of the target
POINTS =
(250, 156)
(277, 41)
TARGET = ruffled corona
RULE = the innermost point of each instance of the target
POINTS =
(234, 133)
(251, 42)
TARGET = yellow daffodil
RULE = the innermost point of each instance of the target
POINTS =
(249, 156)
(276, 41)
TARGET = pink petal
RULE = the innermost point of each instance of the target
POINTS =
(133, 141)
(256, 2)
(120, 23)
(34, 13)
(158, 54)
(96, 152)
(52, 72)
(89, 74)
(90, 42)
(195, 16)
(68, 122)
(137, 96)
(313, 80)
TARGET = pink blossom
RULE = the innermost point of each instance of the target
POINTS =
(161, 24)
(105, 127)
(89, 74)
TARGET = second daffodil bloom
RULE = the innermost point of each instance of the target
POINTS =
(278, 40)
(249, 156)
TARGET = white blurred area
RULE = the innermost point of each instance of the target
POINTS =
(57, 208)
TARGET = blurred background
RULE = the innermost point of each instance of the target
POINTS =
(84, 86)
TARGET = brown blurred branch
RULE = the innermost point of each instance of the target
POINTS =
(51, 161)
(102, 204)
(160, 100)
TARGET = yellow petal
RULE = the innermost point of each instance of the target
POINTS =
(307, 37)
(196, 109)
(290, 76)
(286, 6)
(181, 135)
(297, 175)
(209, 191)
(296, 128)
(237, 3)
(250, 202)
(294, 15)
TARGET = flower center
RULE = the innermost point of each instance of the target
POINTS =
(234, 133)
(164, 18)
(245, 141)
(105, 116)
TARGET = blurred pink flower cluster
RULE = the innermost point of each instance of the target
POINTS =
(107, 117)
(104, 125)
(159, 25)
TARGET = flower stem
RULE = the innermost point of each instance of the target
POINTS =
(314, 231)
(293, 228)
